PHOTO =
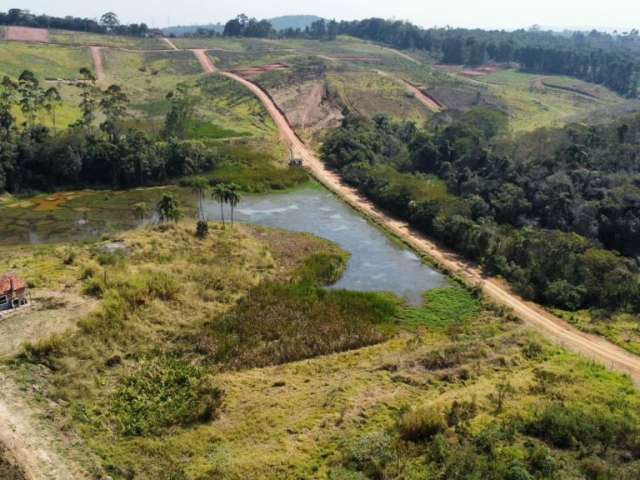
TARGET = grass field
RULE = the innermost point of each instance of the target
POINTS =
(369, 93)
(46, 61)
(225, 108)
(532, 105)
(65, 37)
(200, 364)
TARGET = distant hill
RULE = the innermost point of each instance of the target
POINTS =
(293, 21)
(181, 30)
(279, 23)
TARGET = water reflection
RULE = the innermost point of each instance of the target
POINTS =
(377, 263)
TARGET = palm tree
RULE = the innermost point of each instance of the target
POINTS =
(199, 186)
(219, 192)
(233, 197)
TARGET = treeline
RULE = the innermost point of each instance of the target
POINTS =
(109, 23)
(243, 26)
(537, 211)
(106, 153)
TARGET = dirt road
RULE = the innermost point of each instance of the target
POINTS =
(170, 43)
(557, 330)
(96, 54)
(422, 97)
(205, 62)
(33, 447)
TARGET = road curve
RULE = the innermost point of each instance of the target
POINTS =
(596, 348)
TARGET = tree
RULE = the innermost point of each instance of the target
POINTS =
(110, 21)
(30, 96)
(219, 193)
(181, 110)
(199, 186)
(141, 210)
(168, 208)
(8, 92)
(88, 97)
(113, 104)
(51, 101)
(233, 197)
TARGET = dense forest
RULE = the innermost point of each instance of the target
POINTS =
(108, 23)
(91, 152)
(547, 211)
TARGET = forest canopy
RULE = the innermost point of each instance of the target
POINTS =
(552, 211)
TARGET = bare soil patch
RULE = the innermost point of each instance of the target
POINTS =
(481, 71)
(307, 106)
(96, 54)
(50, 313)
(26, 34)
(255, 71)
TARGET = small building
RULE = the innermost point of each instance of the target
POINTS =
(13, 292)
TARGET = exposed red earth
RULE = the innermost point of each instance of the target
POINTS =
(26, 34)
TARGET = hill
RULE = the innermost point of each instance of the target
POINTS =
(182, 30)
(279, 23)
(293, 21)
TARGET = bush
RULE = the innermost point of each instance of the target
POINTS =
(369, 454)
(421, 425)
(162, 392)
(322, 269)
(572, 427)
(202, 229)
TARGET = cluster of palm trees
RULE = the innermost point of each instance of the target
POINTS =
(224, 193)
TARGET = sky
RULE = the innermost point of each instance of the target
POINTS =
(507, 14)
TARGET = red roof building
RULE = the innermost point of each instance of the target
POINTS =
(13, 292)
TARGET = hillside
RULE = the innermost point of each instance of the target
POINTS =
(162, 344)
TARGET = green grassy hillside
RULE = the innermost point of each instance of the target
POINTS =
(220, 358)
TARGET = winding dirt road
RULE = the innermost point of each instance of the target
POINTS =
(594, 347)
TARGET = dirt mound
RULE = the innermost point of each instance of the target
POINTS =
(481, 71)
(463, 99)
(255, 71)
(26, 34)
(307, 106)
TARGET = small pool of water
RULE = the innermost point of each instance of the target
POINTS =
(377, 263)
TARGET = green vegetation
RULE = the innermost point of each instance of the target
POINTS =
(66, 37)
(45, 61)
(224, 357)
(519, 210)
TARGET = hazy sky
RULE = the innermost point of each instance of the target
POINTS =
(509, 14)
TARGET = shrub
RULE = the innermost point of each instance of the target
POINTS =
(44, 351)
(161, 392)
(202, 229)
(571, 427)
(369, 454)
(322, 269)
(421, 425)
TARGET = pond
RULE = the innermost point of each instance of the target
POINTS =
(377, 262)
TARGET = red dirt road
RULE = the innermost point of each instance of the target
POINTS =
(205, 62)
(96, 54)
(557, 330)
